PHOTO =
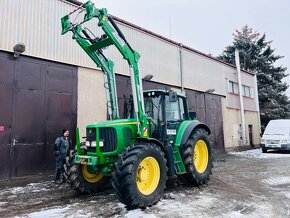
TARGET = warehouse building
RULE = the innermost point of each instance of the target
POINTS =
(53, 84)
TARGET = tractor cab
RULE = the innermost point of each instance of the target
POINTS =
(165, 111)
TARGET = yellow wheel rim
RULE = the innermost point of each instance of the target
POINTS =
(148, 175)
(200, 156)
(91, 177)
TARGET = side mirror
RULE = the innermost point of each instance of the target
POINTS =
(192, 115)
(172, 96)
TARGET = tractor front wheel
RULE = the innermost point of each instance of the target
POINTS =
(82, 178)
(198, 158)
(140, 175)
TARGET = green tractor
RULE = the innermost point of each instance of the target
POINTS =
(157, 140)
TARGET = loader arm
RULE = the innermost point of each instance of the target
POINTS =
(94, 48)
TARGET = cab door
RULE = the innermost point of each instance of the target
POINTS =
(174, 115)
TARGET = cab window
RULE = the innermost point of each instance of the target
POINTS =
(171, 110)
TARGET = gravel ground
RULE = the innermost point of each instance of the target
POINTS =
(243, 184)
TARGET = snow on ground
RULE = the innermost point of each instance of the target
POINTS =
(32, 187)
(287, 194)
(177, 204)
(257, 153)
(60, 212)
(199, 206)
(55, 212)
(277, 181)
(138, 213)
(259, 211)
(207, 201)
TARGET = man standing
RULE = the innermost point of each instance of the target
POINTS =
(62, 147)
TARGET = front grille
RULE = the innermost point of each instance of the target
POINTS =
(272, 141)
(91, 134)
(109, 136)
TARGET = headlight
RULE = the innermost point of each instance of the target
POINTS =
(263, 141)
(284, 142)
(88, 143)
(93, 144)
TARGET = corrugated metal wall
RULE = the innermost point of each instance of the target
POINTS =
(158, 57)
(203, 73)
(37, 24)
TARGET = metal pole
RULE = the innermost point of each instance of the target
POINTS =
(241, 96)
(181, 68)
(257, 101)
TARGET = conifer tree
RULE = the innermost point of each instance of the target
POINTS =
(257, 56)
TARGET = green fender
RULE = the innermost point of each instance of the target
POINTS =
(184, 131)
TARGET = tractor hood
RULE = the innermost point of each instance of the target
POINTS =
(112, 123)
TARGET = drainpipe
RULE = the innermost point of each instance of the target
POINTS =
(181, 68)
(257, 100)
(241, 96)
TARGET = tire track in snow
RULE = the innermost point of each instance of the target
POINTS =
(277, 181)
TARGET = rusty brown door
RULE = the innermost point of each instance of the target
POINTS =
(209, 111)
(61, 105)
(28, 118)
(214, 119)
(37, 100)
(6, 104)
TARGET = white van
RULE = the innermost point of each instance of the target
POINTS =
(276, 136)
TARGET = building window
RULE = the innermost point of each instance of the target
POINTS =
(246, 90)
(233, 87)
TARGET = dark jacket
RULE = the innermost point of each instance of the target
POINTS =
(62, 146)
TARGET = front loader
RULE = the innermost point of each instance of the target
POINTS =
(157, 140)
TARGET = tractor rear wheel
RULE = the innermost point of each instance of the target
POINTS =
(82, 179)
(198, 158)
(140, 175)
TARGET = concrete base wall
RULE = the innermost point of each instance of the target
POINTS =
(91, 98)
(232, 130)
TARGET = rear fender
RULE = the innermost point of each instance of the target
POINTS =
(185, 130)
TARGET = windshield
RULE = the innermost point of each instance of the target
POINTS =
(277, 131)
(171, 111)
(277, 128)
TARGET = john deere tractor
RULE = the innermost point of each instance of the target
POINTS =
(156, 141)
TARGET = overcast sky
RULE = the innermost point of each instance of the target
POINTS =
(208, 25)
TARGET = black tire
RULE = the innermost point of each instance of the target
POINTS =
(69, 161)
(74, 175)
(264, 150)
(197, 174)
(135, 162)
